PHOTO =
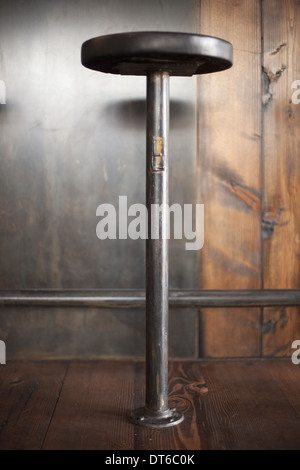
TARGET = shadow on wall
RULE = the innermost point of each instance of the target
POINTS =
(128, 113)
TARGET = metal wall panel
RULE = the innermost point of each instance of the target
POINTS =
(71, 139)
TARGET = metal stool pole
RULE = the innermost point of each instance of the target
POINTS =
(157, 55)
(156, 411)
(157, 275)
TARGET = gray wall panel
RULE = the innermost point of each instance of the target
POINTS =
(71, 139)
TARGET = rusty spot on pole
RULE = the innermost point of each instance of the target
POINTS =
(158, 157)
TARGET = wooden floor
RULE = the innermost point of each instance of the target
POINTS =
(85, 405)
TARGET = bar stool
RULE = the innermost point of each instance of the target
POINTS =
(157, 55)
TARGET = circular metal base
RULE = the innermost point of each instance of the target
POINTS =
(163, 419)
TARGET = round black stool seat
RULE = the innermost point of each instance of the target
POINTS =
(141, 53)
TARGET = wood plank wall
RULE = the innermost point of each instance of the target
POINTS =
(281, 168)
(230, 177)
(248, 173)
(234, 145)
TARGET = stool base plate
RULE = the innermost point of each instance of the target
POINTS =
(143, 417)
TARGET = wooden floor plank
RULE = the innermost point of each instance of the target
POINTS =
(227, 404)
(251, 409)
(28, 395)
(92, 413)
(287, 375)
